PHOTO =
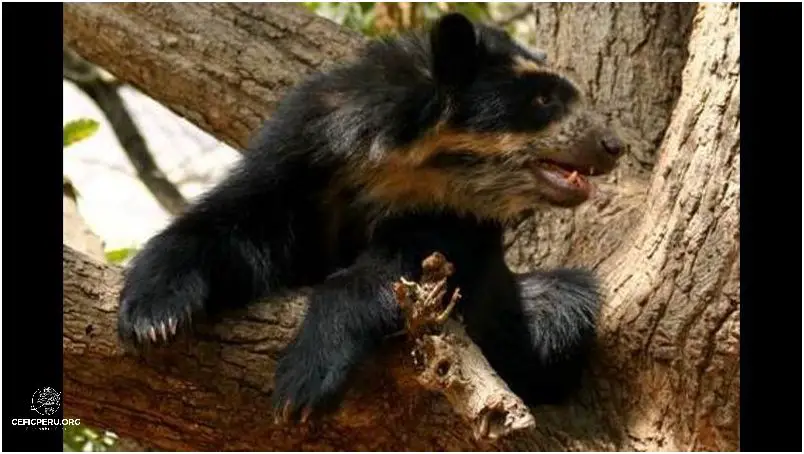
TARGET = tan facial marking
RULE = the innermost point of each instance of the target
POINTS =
(523, 66)
(441, 139)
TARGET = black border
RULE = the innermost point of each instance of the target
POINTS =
(32, 300)
(770, 298)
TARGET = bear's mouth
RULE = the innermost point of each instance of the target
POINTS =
(565, 184)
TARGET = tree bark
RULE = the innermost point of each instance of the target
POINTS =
(673, 321)
(628, 59)
(212, 392)
(222, 66)
(666, 373)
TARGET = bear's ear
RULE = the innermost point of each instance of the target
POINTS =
(455, 50)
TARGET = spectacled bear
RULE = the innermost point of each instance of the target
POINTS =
(433, 140)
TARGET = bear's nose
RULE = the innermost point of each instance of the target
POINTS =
(613, 145)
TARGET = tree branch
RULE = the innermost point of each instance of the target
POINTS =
(212, 392)
(222, 66)
(450, 362)
(104, 92)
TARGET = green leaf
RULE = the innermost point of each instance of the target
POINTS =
(91, 434)
(473, 10)
(119, 255)
(367, 6)
(78, 130)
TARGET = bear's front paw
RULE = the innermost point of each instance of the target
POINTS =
(309, 381)
(154, 321)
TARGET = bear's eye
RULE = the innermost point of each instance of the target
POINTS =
(540, 101)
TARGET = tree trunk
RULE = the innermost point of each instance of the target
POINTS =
(666, 376)
(673, 321)
(628, 59)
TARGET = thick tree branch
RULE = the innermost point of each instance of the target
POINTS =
(105, 93)
(213, 392)
(223, 66)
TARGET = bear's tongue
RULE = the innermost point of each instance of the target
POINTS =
(569, 176)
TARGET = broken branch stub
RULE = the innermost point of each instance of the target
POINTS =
(447, 361)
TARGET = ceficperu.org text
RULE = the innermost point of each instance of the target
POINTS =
(45, 422)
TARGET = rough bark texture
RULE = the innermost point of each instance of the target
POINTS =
(213, 393)
(628, 58)
(673, 321)
(446, 360)
(666, 376)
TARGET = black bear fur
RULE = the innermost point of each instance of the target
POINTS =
(429, 141)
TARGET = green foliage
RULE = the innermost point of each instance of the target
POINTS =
(85, 439)
(78, 130)
(361, 17)
(356, 16)
(118, 256)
